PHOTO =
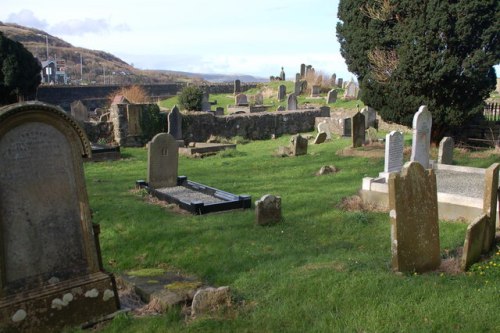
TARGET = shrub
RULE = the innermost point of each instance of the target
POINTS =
(190, 98)
(134, 94)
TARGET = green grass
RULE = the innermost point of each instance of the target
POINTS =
(320, 270)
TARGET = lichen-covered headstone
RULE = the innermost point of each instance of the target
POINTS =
(490, 204)
(292, 102)
(163, 161)
(299, 145)
(259, 99)
(394, 144)
(358, 130)
(414, 219)
(474, 242)
(175, 123)
(268, 210)
(422, 124)
(210, 300)
(445, 154)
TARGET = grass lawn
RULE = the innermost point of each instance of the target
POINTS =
(321, 270)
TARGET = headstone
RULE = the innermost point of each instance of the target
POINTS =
(302, 71)
(315, 90)
(414, 219)
(370, 117)
(241, 100)
(333, 80)
(394, 145)
(134, 117)
(292, 102)
(331, 97)
(281, 92)
(50, 257)
(163, 161)
(219, 111)
(259, 99)
(324, 127)
(299, 145)
(282, 74)
(297, 77)
(297, 88)
(340, 82)
(358, 130)
(320, 138)
(237, 87)
(175, 123)
(205, 103)
(207, 301)
(308, 70)
(422, 124)
(445, 154)
(347, 122)
(474, 241)
(268, 210)
(490, 204)
(350, 90)
(79, 111)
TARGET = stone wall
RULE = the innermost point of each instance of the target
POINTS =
(99, 131)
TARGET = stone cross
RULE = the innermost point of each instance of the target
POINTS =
(445, 154)
(422, 124)
(163, 161)
(394, 145)
(175, 123)
(358, 130)
(414, 219)
(292, 102)
(268, 210)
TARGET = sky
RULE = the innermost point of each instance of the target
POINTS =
(255, 37)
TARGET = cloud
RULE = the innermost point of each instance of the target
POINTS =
(27, 18)
(85, 26)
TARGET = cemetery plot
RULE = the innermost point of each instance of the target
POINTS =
(104, 153)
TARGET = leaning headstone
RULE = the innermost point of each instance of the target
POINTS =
(414, 219)
(422, 124)
(281, 92)
(394, 145)
(175, 123)
(292, 102)
(324, 127)
(268, 210)
(320, 138)
(358, 130)
(370, 117)
(490, 204)
(79, 111)
(51, 271)
(163, 161)
(299, 145)
(241, 100)
(315, 90)
(331, 97)
(347, 127)
(445, 154)
(237, 87)
(474, 241)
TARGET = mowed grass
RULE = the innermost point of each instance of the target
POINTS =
(321, 270)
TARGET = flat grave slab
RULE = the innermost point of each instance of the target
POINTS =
(104, 153)
(197, 198)
(205, 148)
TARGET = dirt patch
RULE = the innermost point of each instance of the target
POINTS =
(355, 203)
(376, 150)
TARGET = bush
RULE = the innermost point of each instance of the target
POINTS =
(190, 98)
(133, 94)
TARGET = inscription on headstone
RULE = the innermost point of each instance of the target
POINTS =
(422, 124)
(394, 145)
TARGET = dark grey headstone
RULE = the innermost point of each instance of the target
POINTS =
(175, 123)
(358, 130)
(268, 210)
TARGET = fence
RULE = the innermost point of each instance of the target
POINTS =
(492, 112)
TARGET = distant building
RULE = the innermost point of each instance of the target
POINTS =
(54, 72)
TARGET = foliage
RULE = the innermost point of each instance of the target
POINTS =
(152, 121)
(19, 71)
(134, 94)
(191, 98)
(411, 53)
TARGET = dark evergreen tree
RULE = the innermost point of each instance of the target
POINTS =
(19, 71)
(408, 53)
(191, 98)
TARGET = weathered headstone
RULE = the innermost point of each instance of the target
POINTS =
(324, 127)
(297, 88)
(299, 145)
(350, 91)
(358, 130)
(340, 82)
(474, 241)
(370, 117)
(394, 145)
(422, 124)
(268, 210)
(320, 138)
(259, 99)
(302, 71)
(175, 123)
(241, 100)
(297, 77)
(134, 117)
(347, 127)
(210, 300)
(51, 273)
(315, 90)
(79, 111)
(331, 97)
(163, 161)
(445, 154)
(205, 103)
(282, 74)
(414, 219)
(237, 87)
(490, 204)
(281, 92)
(333, 80)
(291, 102)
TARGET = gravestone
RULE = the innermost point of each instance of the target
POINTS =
(445, 154)
(347, 128)
(350, 91)
(358, 130)
(370, 117)
(414, 219)
(333, 80)
(422, 124)
(205, 103)
(175, 123)
(324, 127)
(315, 90)
(299, 145)
(237, 87)
(297, 88)
(241, 100)
(163, 161)
(219, 111)
(282, 74)
(474, 241)
(281, 92)
(490, 204)
(340, 82)
(302, 71)
(79, 111)
(394, 145)
(134, 117)
(320, 138)
(259, 99)
(50, 257)
(331, 97)
(297, 77)
(291, 102)
(268, 210)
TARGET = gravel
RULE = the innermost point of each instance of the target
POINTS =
(188, 195)
(461, 183)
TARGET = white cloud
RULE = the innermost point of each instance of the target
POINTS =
(27, 18)
(85, 26)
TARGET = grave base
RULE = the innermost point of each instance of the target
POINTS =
(222, 200)
(69, 303)
(104, 153)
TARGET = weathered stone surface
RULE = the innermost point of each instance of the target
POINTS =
(292, 102)
(163, 161)
(332, 96)
(241, 99)
(325, 127)
(299, 145)
(175, 123)
(210, 300)
(490, 204)
(370, 117)
(394, 145)
(474, 241)
(268, 210)
(237, 87)
(320, 138)
(358, 130)
(281, 92)
(134, 115)
(79, 111)
(445, 154)
(422, 124)
(315, 90)
(259, 99)
(347, 127)
(414, 219)
(327, 169)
